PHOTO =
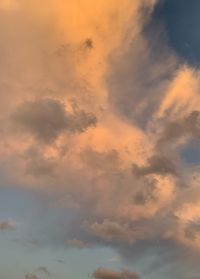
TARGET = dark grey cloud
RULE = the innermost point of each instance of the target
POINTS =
(192, 230)
(157, 164)
(89, 43)
(46, 119)
(37, 164)
(135, 87)
(66, 48)
(103, 273)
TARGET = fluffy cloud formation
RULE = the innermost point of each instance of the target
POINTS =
(47, 119)
(94, 119)
(189, 126)
(157, 164)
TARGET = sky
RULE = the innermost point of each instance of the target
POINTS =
(100, 139)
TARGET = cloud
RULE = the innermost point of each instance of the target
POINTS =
(46, 119)
(117, 185)
(138, 81)
(157, 164)
(189, 126)
(103, 273)
(37, 164)
(111, 231)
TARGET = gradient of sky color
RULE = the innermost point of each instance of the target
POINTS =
(100, 139)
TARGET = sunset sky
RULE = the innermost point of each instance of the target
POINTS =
(100, 139)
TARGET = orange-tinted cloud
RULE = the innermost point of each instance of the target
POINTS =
(93, 117)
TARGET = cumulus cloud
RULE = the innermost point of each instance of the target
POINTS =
(120, 181)
(46, 119)
(103, 273)
(157, 164)
(89, 43)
